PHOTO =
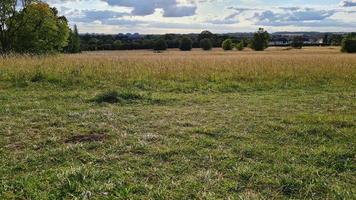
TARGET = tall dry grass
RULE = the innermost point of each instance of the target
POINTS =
(309, 66)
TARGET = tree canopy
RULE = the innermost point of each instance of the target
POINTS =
(227, 45)
(206, 44)
(297, 42)
(349, 43)
(74, 41)
(260, 40)
(160, 45)
(31, 26)
(186, 44)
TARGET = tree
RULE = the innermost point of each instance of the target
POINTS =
(93, 44)
(185, 44)
(74, 41)
(335, 39)
(297, 42)
(160, 45)
(206, 44)
(348, 44)
(8, 11)
(40, 30)
(240, 46)
(206, 35)
(117, 44)
(227, 45)
(260, 40)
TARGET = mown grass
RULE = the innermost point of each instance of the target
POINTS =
(179, 125)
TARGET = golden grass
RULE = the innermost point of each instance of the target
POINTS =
(308, 64)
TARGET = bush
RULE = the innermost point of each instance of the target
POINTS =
(185, 44)
(260, 40)
(160, 45)
(206, 44)
(348, 44)
(227, 45)
(297, 42)
(240, 46)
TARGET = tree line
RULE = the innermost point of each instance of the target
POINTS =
(205, 40)
(32, 26)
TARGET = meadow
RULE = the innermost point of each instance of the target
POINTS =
(278, 124)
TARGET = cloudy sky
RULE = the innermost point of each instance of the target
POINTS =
(219, 16)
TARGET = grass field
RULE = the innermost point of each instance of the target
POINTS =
(279, 124)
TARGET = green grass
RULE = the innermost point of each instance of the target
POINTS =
(78, 138)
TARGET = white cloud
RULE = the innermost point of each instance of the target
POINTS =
(196, 15)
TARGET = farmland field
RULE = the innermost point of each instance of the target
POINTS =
(279, 124)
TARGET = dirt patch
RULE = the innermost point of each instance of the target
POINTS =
(15, 146)
(93, 137)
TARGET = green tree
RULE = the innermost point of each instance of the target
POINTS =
(160, 45)
(335, 39)
(186, 44)
(8, 12)
(40, 30)
(260, 40)
(227, 45)
(348, 44)
(206, 44)
(206, 35)
(93, 44)
(117, 44)
(297, 42)
(240, 46)
(74, 41)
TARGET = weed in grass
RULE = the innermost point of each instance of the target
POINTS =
(38, 77)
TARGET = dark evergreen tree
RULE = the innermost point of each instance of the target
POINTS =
(74, 41)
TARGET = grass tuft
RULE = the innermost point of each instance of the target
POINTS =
(113, 96)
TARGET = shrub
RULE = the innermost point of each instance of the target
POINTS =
(260, 40)
(240, 46)
(160, 45)
(206, 44)
(185, 44)
(297, 42)
(227, 45)
(348, 44)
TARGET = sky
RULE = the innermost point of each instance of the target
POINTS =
(218, 16)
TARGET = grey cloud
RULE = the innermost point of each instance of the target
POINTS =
(348, 3)
(171, 8)
(293, 16)
(89, 16)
